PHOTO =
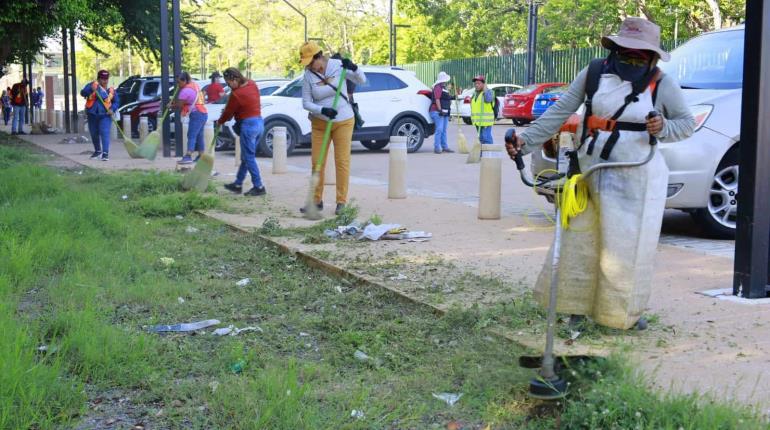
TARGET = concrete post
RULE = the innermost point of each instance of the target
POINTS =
(397, 168)
(330, 173)
(127, 126)
(113, 131)
(185, 127)
(60, 118)
(279, 150)
(208, 135)
(144, 128)
(490, 181)
(237, 150)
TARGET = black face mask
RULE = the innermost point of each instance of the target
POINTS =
(626, 68)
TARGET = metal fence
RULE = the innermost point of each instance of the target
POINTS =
(552, 66)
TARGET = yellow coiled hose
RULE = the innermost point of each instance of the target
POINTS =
(573, 199)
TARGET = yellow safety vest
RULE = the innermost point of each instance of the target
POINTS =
(482, 113)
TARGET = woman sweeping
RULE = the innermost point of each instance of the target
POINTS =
(190, 100)
(245, 106)
(322, 75)
(608, 253)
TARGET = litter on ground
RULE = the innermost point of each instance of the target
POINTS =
(449, 398)
(183, 327)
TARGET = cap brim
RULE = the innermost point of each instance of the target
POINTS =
(610, 42)
(305, 61)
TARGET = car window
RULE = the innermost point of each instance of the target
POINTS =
(380, 82)
(267, 90)
(711, 61)
(127, 84)
(499, 91)
(294, 89)
(526, 90)
(150, 88)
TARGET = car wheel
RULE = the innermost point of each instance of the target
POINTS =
(413, 130)
(375, 145)
(518, 122)
(467, 120)
(266, 142)
(719, 217)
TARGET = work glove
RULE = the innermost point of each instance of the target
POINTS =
(329, 112)
(346, 63)
(94, 84)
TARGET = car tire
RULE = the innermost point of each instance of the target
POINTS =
(375, 145)
(718, 218)
(265, 142)
(414, 131)
(467, 120)
(519, 122)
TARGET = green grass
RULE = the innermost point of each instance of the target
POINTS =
(80, 273)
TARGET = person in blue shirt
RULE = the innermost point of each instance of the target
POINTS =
(101, 103)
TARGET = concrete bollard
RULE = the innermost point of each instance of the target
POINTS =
(490, 181)
(60, 120)
(279, 150)
(113, 131)
(208, 135)
(397, 168)
(127, 126)
(50, 117)
(144, 128)
(237, 150)
(330, 171)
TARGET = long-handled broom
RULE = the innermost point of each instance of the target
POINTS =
(475, 155)
(131, 147)
(149, 147)
(198, 178)
(462, 142)
(311, 210)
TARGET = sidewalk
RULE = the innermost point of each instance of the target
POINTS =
(700, 343)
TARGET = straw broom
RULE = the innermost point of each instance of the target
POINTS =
(198, 178)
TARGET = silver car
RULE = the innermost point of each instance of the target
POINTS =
(703, 179)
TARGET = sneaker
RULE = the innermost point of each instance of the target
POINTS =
(340, 207)
(437, 151)
(255, 192)
(186, 160)
(96, 155)
(236, 188)
(447, 150)
(21, 132)
(319, 205)
(105, 156)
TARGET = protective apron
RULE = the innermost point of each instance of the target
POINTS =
(608, 252)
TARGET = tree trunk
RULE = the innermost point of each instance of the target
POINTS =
(716, 14)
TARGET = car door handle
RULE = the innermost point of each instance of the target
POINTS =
(395, 99)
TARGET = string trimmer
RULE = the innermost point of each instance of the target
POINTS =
(548, 385)
(311, 210)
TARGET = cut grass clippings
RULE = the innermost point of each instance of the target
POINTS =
(81, 280)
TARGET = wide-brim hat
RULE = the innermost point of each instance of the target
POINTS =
(442, 78)
(637, 33)
(307, 51)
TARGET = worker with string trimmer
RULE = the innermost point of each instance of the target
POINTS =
(607, 253)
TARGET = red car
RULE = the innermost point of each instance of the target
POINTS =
(518, 106)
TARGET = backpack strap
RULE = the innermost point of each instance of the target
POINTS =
(592, 85)
(637, 87)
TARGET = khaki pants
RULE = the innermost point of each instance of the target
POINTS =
(342, 135)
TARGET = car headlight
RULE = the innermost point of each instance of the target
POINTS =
(701, 114)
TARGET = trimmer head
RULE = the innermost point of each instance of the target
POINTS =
(551, 389)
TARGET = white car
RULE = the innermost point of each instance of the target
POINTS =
(392, 102)
(463, 106)
(703, 169)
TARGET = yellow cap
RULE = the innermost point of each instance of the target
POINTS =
(307, 51)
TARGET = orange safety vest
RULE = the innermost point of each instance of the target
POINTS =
(107, 102)
(199, 100)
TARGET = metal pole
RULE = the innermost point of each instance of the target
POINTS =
(175, 26)
(391, 31)
(65, 63)
(532, 42)
(164, 42)
(752, 249)
(74, 82)
(248, 57)
(299, 12)
(203, 72)
(30, 111)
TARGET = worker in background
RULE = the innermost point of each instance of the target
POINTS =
(244, 105)
(319, 86)
(190, 101)
(6, 105)
(608, 253)
(483, 109)
(214, 90)
(101, 103)
(440, 108)
(19, 101)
